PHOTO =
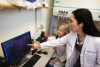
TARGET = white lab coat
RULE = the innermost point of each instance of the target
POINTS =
(90, 54)
(60, 52)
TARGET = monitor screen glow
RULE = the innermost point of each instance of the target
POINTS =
(16, 48)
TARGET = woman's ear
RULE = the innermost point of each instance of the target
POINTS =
(81, 24)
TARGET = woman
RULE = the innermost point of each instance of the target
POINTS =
(59, 56)
(83, 43)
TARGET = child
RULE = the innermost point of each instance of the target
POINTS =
(59, 56)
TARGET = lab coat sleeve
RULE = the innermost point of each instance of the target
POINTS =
(98, 55)
(54, 43)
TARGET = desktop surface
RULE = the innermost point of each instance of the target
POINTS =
(43, 60)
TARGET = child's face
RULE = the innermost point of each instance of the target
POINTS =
(60, 32)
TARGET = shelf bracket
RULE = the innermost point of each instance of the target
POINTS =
(19, 9)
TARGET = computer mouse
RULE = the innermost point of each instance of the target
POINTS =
(39, 52)
(34, 51)
(45, 53)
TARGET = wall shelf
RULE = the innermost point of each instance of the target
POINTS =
(43, 7)
(7, 6)
(14, 6)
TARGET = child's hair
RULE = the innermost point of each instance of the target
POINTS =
(64, 27)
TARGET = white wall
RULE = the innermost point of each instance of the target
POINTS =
(42, 14)
(14, 23)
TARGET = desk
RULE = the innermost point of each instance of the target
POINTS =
(44, 58)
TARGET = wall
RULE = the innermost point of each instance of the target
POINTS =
(46, 13)
(14, 23)
(49, 15)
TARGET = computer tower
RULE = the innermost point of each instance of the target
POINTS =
(3, 62)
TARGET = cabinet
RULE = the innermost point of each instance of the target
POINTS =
(69, 5)
(55, 23)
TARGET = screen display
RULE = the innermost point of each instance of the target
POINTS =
(16, 48)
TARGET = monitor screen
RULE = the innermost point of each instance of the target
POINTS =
(14, 49)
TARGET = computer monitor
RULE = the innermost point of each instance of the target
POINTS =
(16, 48)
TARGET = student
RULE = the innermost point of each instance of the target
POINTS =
(83, 43)
(59, 56)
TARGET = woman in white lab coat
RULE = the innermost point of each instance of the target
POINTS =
(59, 57)
(83, 43)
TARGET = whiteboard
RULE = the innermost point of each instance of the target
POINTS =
(90, 4)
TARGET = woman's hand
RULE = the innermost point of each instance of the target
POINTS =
(34, 45)
(53, 61)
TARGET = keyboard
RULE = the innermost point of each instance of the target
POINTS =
(31, 62)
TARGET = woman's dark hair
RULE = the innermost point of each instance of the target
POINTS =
(84, 16)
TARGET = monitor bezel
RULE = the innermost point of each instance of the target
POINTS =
(11, 40)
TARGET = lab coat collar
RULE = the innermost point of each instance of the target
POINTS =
(86, 40)
(73, 41)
